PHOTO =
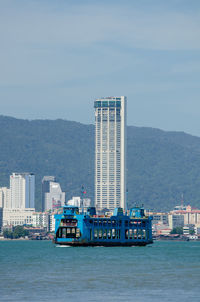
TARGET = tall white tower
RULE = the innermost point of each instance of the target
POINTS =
(22, 190)
(110, 152)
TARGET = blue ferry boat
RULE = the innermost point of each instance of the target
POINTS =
(76, 228)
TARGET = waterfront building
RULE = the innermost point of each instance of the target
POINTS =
(188, 228)
(51, 223)
(40, 219)
(76, 202)
(110, 152)
(191, 216)
(54, 198)
(5, 200)
(161, 218)
(175, 220)
(46, 188)
(17, 216)
(44, 220)
(22, 190)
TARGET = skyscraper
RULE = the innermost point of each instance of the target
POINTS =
(22, 190)
(110, 152)
(46, 188)
(52, 195)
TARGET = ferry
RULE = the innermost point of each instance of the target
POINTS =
(86, 228)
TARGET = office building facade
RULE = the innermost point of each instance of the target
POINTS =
(54, 198)
(22, 190)
(5, 200)
(110, 152)
(46, 188)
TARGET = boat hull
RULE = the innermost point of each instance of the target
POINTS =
(105, 244)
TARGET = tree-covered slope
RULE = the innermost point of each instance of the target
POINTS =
(160, 165)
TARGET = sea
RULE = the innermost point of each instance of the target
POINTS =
(41, 271)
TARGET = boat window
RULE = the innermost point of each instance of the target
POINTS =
(78, 233)
(59, 233)
(126, 223)
(113, 233)
(63, 232)
(126, 234)
(130, 234)
(104, 234)
(100, 233)
(135, 233)
(109, 233)
(140, 233)
(95, 233)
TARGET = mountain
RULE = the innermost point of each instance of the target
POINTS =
(161, 166)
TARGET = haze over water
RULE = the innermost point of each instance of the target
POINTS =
(40, 271)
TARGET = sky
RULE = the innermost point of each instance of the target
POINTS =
(57, 57)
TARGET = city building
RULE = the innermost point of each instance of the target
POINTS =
(51, 223)
(161, 218)
(22, 190)
(5, 200)
(110, 152)
(76, 202)
(40, 219)
(54, 198)
(191, 216)
(17, 216)
(46, 188)
(175, 220)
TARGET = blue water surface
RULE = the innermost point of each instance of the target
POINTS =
(41, 271)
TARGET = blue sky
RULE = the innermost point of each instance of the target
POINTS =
(56, 57)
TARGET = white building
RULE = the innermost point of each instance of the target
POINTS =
(55, 198)
(40, 219)
(46, 188)
(76, 202)
(5, 200)
(191, 216)
(14, 217)
(51, 223)
(175, 221)
(22, 190)
(110, 152)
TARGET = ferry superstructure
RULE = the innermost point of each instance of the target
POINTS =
(76, 228)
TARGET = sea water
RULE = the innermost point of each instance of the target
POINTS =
(41, 271)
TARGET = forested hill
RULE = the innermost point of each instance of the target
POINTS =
(160, 165)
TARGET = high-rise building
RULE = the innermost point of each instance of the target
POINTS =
(53, 196)
(110, 152)
(5, 201)
(46, 188)
(22, 190)
(1, 219)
